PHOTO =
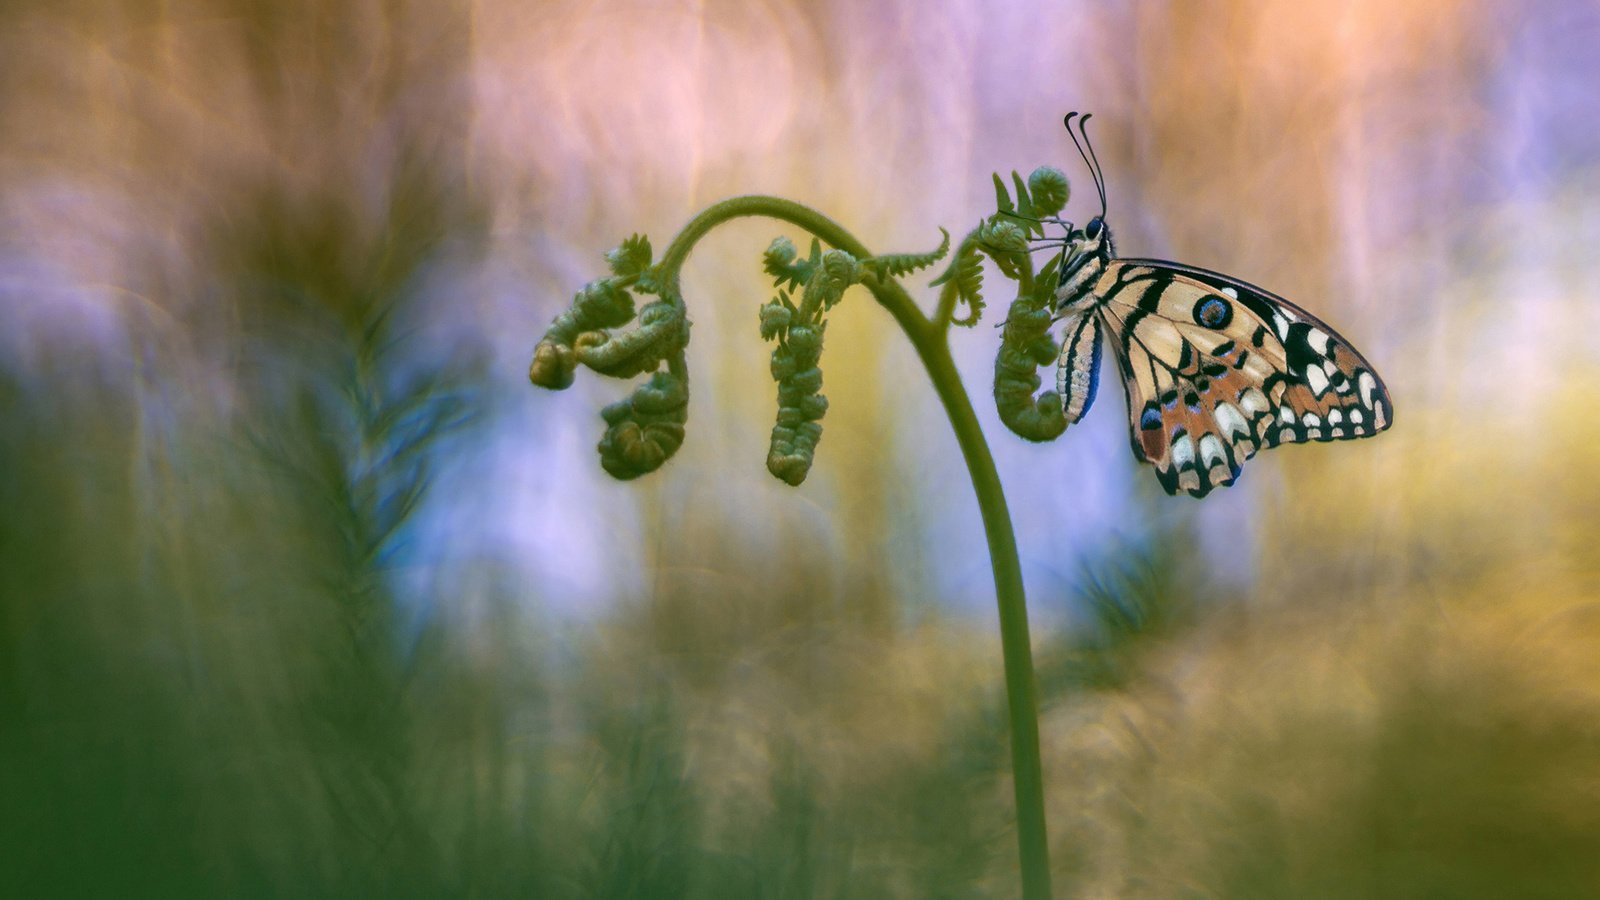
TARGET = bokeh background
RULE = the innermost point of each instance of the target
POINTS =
(304, 592)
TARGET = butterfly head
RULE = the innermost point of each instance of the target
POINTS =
(1096, 238)
(1088, 251)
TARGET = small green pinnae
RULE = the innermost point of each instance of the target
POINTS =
(963, 281)
(894, 265)
(632, 258)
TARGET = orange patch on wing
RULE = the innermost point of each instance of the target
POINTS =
(1154, 442)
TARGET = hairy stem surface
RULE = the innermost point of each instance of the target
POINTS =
(929, 339)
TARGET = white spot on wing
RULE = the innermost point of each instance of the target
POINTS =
(1317, 380)
(1368, 385)
(1254, 402)
(1230, 420)
(1211, 450)
(1318, 341)
(1182, 452)
(1231, 292)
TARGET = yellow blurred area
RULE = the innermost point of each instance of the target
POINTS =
(305, 592)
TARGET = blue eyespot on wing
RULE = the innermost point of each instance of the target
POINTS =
(1078, 369)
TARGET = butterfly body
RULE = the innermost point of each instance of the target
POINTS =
(1214, 369)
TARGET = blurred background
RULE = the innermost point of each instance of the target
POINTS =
(304, 592)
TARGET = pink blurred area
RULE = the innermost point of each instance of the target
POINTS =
(1420, 174)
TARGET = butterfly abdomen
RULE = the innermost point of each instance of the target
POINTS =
(1078, 369)
(1077, 302)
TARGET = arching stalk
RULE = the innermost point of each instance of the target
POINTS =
(929, 339)
(645, 430)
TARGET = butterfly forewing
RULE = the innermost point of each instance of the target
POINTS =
(1215, 369)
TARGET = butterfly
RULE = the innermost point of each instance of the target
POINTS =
(1214, 368)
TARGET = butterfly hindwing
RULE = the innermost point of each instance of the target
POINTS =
(1329, 380)
(1216, 369)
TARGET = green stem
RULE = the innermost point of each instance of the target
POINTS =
(928, 337)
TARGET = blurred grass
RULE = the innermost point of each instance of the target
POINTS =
(233, 664)
(218, 720)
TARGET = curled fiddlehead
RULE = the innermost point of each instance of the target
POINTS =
(646, 429)
(1025, 341)
(798, 330)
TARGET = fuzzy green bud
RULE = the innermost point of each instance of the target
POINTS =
(775, 319)
(1049, 188)
(1003, 237)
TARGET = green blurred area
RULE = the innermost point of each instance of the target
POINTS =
(225, 673)
(201, 698)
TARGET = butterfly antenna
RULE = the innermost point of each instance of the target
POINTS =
(1048, 219)
(1099, 173)
(1053, 320)
(1068, 123)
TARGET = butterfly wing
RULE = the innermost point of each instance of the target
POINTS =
(1216, 369)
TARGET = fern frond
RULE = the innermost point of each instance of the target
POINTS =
(893, 265)
(965, 275)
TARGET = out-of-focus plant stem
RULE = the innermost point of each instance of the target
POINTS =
(929, 339)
